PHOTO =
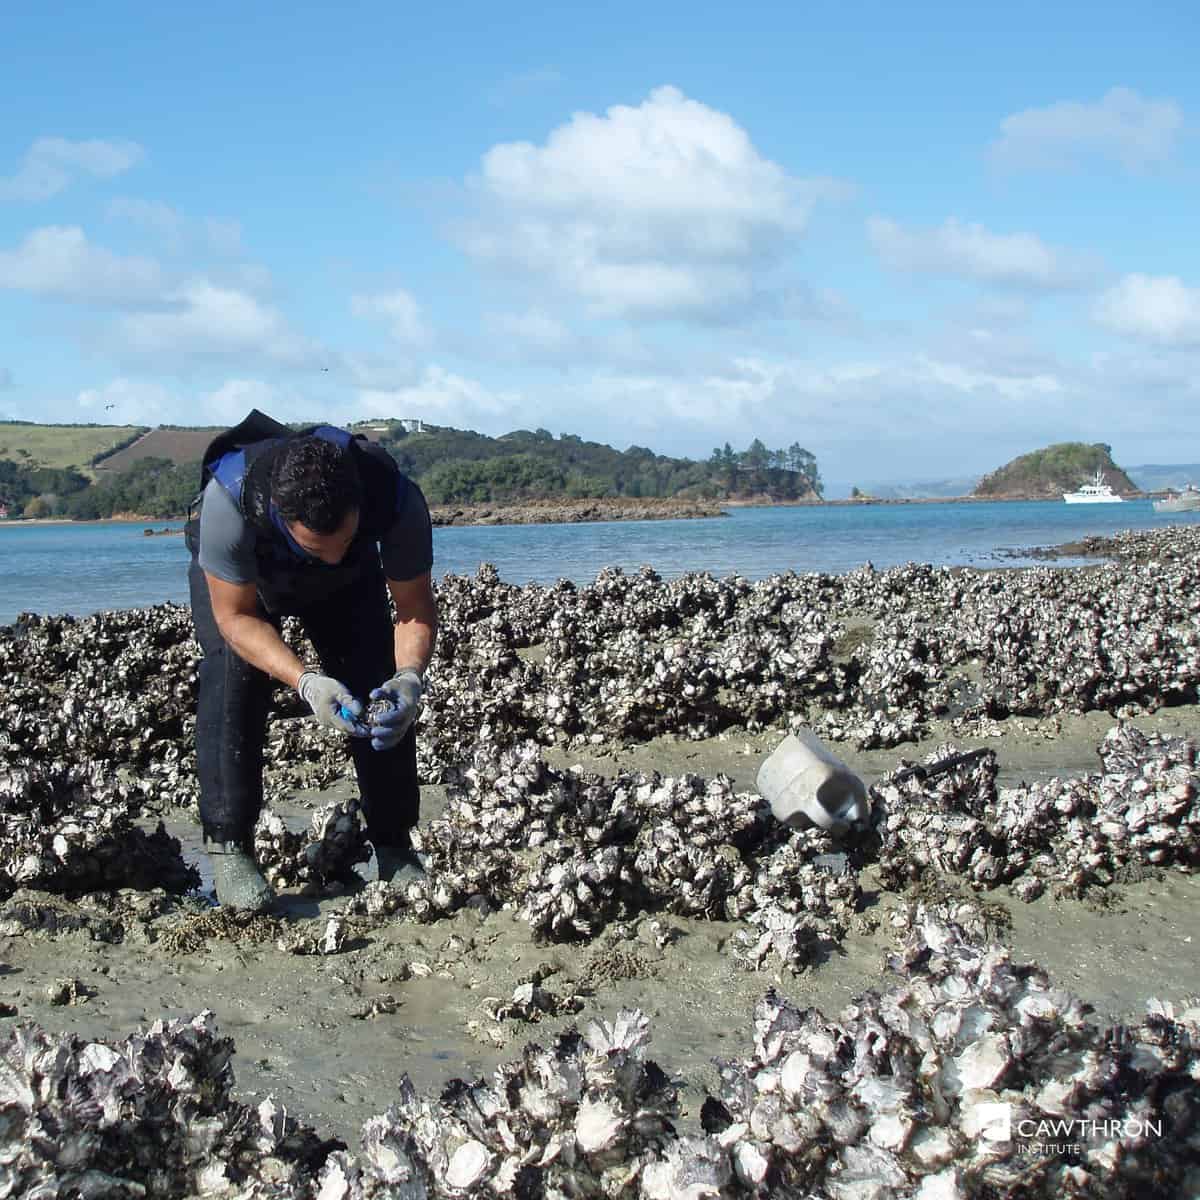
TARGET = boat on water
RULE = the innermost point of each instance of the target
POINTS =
(1096, 492)
(1179, 502)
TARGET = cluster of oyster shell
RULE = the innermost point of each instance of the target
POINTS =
(328, 850)
(150, 1116)
(868, 657)
(574, 851)
(895, 1098)
(1140, 812)
(971, 1077)
(68, 829)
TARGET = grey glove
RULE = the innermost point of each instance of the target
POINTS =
(331, 701)
(402, 694)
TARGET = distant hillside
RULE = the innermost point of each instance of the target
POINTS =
(175, 445)
(155, 472)
(460, 466)
(1159, 477)
(928, 489)
(63, 446)
(1046, 474)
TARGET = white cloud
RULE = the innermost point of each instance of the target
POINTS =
(664, 209)
(59, 261)
(970, 251)
(206, 319)
(915, 415)
(201, 316)
(236, 397)
(446, 398)
(399, 311)
(1123, 126)
(839, 395)
(166, 223)
(1155, 308)
(536, 338)
(377, 372)
(533, 328)
(148, 401)
(1010, 385)
(134, 401)
(932, 405)
(174, 229)
(142, 400)
(51, 164)
(854, 414)
(224, 237)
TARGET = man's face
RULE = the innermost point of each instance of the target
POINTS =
(330, 548)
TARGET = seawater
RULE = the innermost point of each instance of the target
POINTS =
(87, 568)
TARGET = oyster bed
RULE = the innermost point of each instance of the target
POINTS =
(95, 748)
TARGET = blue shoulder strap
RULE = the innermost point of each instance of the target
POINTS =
(229, 470)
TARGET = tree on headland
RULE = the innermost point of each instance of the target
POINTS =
(789, 474)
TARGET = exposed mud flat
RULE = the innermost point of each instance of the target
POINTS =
(312, 1032)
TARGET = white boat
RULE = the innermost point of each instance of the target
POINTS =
(1096, 492)
(1176, 502)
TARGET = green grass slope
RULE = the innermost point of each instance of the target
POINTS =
(60, 446)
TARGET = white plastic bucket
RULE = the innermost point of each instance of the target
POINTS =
(806, 785)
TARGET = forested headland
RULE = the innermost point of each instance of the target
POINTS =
(1053, 470)
(155, 473)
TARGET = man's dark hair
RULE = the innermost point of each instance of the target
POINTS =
(315, 482)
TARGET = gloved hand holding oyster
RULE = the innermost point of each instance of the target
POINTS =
(331, 702)
(393, 708)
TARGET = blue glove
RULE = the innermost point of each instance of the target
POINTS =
(398, 702)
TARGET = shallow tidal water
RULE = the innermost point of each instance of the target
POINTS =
(85, 568)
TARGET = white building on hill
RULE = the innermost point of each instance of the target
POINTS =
(408, 424)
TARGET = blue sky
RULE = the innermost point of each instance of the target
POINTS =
(918, 240)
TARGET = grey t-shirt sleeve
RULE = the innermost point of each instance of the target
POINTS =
(226, 541)
(406, 550)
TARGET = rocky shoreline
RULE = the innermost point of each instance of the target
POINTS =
(556, 511)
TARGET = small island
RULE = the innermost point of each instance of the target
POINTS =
(1048, 473)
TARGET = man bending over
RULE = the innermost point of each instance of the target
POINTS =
(321, 525)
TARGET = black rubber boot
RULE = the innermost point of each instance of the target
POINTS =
(397, 865)
(239, 882)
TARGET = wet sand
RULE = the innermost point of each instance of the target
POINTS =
(331, 1036)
